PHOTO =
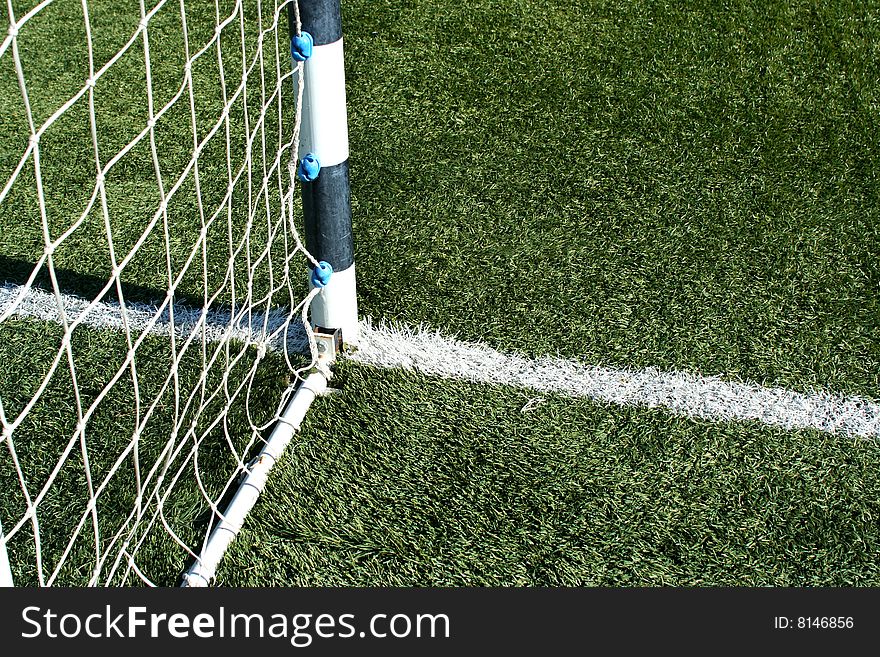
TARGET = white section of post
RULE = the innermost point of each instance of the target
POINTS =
(202, 572)
(339, 307)
(324, 132)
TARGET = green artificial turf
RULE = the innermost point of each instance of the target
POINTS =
(689, 185)
(682, 185)
(447, 483)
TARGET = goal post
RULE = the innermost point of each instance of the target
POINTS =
(316, 25)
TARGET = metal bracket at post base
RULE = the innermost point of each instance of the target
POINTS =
(329, 342)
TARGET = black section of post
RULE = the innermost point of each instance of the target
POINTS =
(320, 18)
(327, 216)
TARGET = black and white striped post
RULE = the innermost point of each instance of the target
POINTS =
(323, 163)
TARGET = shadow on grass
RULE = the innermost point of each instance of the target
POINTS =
(16, 271)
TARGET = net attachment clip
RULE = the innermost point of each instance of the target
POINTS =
(301, 46)
(308, 168)
(321, 274)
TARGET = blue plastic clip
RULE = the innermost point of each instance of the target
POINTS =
(301, 46)
(308, 168)
(321, 274)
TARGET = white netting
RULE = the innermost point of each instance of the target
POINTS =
(145, 155)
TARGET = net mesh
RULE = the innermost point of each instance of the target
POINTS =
(153, 298)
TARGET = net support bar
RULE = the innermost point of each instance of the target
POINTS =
(5, 570)
(202, 572)
(324, 135)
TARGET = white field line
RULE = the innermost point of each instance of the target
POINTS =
(429, 352)
(218, 324)
(694, 396)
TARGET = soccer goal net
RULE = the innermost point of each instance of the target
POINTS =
(153, 283)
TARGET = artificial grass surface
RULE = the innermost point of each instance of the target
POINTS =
(690, 187)
(448, 483)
